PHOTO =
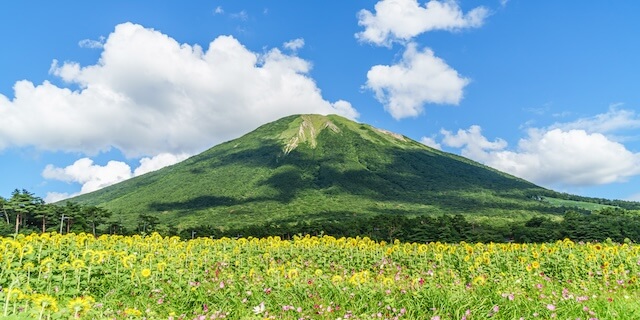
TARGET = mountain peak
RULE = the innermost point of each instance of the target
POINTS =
(305, 129)
(316, 168)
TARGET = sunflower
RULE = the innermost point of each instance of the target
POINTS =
(479, 280)
(29, 266)
(77, 264)
(80, 305)
(145, 273)
(45, 302)
(292, 273)
(161, 266)
(132, 312)
(97, 258)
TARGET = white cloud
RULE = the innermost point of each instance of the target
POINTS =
(474, 145)
(294, 44)
(552, 157)
(419, 78)
(218, 10)
(345, 109)
(573, 157)
(149, 94)
(613, 120)
(158, 162)
(93, 177)
(401, 20)
(92, 44)
(52, 197)
(431, 142)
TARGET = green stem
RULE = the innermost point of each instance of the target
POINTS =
(6, 302)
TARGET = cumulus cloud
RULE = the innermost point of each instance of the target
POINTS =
(613, 120)
(52, 197)
(431, 142)
(574, 157)
(552, 156)
(401, 20)
(158, 162)
(419, 78)
(93, 177)
(474, 145)
(294, 44)
(149, 94)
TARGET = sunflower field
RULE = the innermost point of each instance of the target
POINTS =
(79, 276)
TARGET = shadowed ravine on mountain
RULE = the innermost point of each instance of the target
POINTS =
(309, 167)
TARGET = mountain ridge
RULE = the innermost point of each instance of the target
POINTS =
(313, 167)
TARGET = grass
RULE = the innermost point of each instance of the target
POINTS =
(576, 204)
(49, 276)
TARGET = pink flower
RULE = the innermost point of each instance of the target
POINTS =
(494, 310)
(435, 318)
(551, 307)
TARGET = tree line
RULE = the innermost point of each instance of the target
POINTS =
(612, 224)
(24, 212)
(623, 204)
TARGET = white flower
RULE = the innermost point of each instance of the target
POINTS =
(259, 308)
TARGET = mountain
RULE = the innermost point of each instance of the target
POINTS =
(317, 168)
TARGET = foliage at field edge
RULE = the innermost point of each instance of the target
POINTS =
(26, 213)
(53, 276)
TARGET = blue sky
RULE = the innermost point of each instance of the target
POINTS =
(95, 93)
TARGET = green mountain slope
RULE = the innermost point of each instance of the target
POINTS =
(312, 167)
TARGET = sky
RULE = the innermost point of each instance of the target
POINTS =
(94, 93)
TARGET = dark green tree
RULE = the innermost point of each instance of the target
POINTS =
(22, 204)
(147, 222)
(95, 216)
(4, 203)
(45, 214)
